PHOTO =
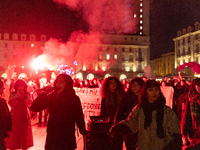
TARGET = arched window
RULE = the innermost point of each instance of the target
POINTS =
(107, 75)
(122, 76)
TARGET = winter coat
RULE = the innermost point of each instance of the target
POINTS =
(127, 103)
(147, 138)
(21, 135)
(5, 119)
(5, 122)
(64, 112)
(109, 105)
(194, 99)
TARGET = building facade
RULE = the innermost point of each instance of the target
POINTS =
(124, 55)
(19, 51)
(187, 45)
(163, 66)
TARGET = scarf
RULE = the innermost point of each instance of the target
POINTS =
(148, 109)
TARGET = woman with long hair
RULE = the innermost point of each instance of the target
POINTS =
(111, 92)
(157, 124)
(21, 136)
(65, 111)
(129, 101)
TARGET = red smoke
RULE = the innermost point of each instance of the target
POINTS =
(103, 16)
(193, 65)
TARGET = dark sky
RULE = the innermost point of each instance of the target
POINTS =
(166, 18)
(39, 17)
(49, 18)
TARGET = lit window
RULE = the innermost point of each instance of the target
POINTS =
(135, 15)
(100, 56)
(140, 10)
(32, 45)
(140, 33)
(141, 4)
(141, 16)
(108, 56)
(115, 56)
(140, 21)
(140, 27)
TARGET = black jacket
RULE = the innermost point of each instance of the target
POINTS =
(65, 110)
(129, 101)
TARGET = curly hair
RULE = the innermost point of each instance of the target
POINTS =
(105, 86)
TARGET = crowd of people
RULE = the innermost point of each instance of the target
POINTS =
(137, 111)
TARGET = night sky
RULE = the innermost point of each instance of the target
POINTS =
(56, 20)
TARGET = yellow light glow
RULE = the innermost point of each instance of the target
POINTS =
(84, 68)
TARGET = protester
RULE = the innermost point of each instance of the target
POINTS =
(129, 101)
(157, 125)
(112, 93)
(191, 122)
(5, 119)
(21, 136)
(65, 111)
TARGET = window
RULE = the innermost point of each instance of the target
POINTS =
(115, 56)
(32, 37)
(141, 16)
(130, 58)
(100, 57)
(108, 56)
(23, 37)
(15, 37)
(122, 49)
(197, 48)
(130, 50)
(140, 55)
(6, 36)
(178, 43)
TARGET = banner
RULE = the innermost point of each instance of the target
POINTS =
(90, 100)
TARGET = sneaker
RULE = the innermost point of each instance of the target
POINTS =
(186, 142)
